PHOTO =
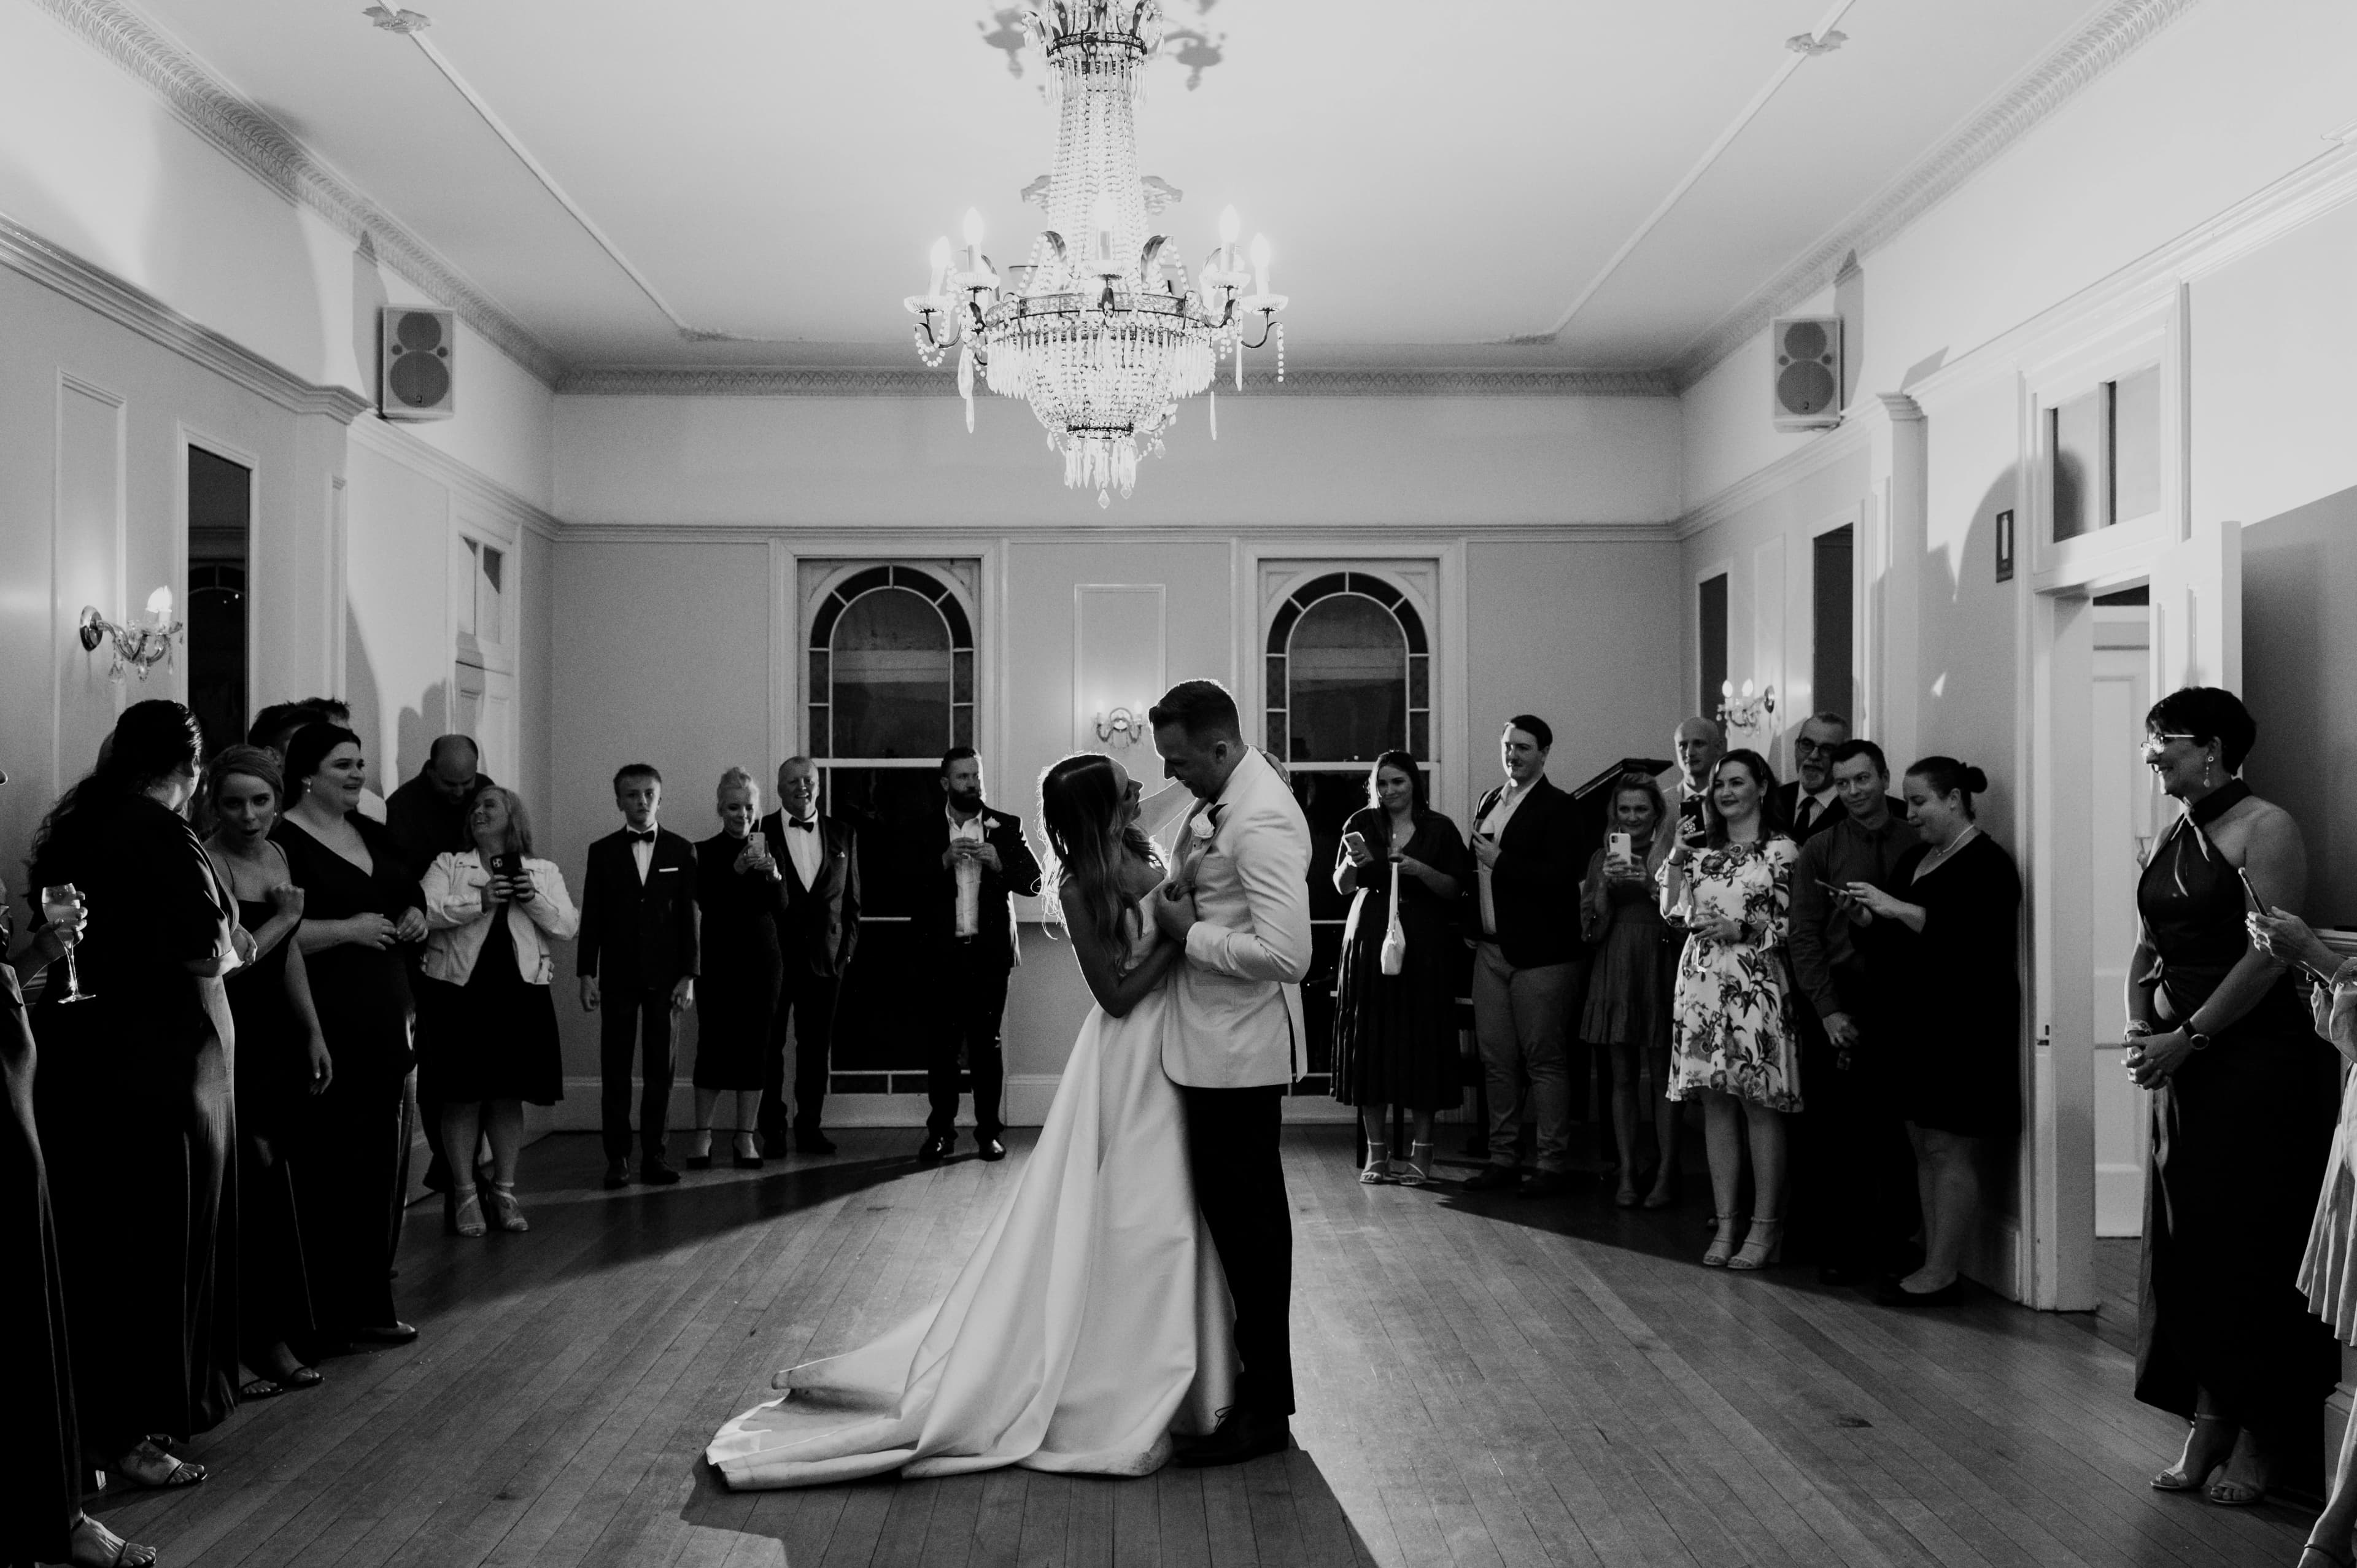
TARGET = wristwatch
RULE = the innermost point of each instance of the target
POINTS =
(2196, 1038)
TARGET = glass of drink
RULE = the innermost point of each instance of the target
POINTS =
(58, 906)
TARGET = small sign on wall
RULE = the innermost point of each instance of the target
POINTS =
(2005, 547)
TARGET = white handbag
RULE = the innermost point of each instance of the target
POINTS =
(1395, 934)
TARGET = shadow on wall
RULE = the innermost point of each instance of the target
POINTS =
(415, 728)
(2299, 574)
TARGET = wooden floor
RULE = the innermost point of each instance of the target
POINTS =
(1483, 1380)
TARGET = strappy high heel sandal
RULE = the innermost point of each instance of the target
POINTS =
(2176, 1478)
(1722, 1249)
(1377, 1171)
(1419, 1167)
(506, 1209)
(1759, 1251)
(468, 1218)
(701, 1161)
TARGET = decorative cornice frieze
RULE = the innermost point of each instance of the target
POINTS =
(264, 149)
(2053, 82)
(24, 252)
(627, 380)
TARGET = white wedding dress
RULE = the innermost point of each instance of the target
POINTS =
(1091, 1323)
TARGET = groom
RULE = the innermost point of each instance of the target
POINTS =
(1239, 902)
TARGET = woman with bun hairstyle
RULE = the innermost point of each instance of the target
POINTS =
(1945, 931)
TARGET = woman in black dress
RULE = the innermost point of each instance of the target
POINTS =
(41, 1518)
(2245, 1098)
(740, 893)
(282, 1063)
(1396, 1034)
(134, 1101)
(358, 902)
(486, 1026)
(1945, 933)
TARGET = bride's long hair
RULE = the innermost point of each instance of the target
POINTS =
(1080, 809)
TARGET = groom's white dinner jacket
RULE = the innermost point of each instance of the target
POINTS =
(1237, 1019)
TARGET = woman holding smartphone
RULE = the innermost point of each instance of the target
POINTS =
(1396, 1034)
(1628, 988)
(740, 892)
(487, 1026)
(2244, 1101)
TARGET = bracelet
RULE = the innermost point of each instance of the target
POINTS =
(2134, 1029)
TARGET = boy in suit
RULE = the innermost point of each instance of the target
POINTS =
(637, 957)
(820, 929)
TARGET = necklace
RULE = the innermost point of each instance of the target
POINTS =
(1953, 845)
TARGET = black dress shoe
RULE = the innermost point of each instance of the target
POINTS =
(654, 1173)
(1241, 1435)
(618, 1174)
(394, 1332)
(1493, 1179)
(810, 1141)
(989, 1147)
(699, 1162)
(935, 1148)
(751, 1162)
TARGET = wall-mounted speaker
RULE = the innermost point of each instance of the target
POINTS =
(414, 378)
(1808, 371)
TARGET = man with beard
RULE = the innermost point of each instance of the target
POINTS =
(966, 925)
(1810, 802)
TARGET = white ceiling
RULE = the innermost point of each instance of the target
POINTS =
(1433, 179)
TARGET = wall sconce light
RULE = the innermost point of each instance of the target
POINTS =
(141, 648)
(1742, 710)
(1122, 726)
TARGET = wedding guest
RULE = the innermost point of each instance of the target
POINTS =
(427, 817)
(1697, 743)
(966, 929)
(282, 1063)
(359, 904)
(740, 894)
(1731, 1031)
(338, 712)
(274, 725)
(1528, 962)
(2325, 1272)
(1810, 803)
(1944, 931)
(1853, 1172)
(1630, 980)
(817, 936)
(486, 1026)
(637, 959)
(1396, 1034)
(42, 1516)
(133, 1103)
(2242, 1122)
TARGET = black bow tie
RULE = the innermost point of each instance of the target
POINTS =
(808, 824)
(638, 837)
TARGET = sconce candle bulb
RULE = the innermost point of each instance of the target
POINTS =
(140, 648)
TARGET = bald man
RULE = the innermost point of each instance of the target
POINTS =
(1698, 744)
(427, 815)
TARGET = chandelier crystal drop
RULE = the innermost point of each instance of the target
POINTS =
(1104, 330)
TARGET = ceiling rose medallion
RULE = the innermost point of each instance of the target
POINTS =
(1104, 330)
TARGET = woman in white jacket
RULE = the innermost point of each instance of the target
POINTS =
(486, 1026)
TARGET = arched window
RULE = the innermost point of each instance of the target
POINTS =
(1349, 673)
(892, 669)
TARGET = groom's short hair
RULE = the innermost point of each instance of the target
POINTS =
(1199, 708)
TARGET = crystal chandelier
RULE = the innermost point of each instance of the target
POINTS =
(1104, 330)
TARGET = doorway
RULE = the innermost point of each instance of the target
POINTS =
(220, 540)
(2121, 801)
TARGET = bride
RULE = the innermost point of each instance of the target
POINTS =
(1093, 1320)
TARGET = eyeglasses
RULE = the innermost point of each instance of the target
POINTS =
(2154, 745)
(1804, 747)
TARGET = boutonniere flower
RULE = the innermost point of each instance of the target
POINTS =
(1201, 827)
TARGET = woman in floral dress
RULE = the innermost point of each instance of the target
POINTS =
(1733, 1041)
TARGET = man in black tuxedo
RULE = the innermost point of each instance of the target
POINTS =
(965, 925)
(1808, 803)
(1529, 963)
(1698, 744)
(637, 957)
(820, 857)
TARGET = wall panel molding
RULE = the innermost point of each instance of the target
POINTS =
(258, 144)
(391, 441)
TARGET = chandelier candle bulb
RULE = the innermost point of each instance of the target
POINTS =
(159, 604)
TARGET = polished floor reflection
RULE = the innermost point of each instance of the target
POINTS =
(1483, 1380)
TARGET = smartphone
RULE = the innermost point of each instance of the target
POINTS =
(1621, 845)
(2258, 905)
(507, 864)
(1356, 842)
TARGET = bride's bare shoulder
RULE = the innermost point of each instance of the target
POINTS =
(1139, 877)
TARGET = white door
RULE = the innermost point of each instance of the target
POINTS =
(2122, 808)
(2197, 610)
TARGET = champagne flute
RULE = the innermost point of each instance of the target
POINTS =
(58, 904)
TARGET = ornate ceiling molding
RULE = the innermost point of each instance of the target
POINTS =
(2111, 37)
(24, 252)
(264, 149)
(626, 381)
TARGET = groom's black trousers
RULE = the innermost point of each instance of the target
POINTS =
(1231, 1136)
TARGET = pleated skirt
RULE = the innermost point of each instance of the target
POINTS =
(2328, 1271)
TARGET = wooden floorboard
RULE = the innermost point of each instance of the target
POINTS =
(1484, 1380)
